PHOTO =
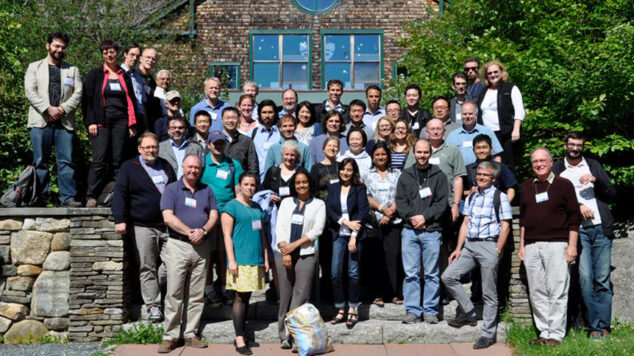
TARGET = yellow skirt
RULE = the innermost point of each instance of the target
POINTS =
(249, 279)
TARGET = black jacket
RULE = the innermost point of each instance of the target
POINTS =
(506, 111)
(357, 203)
(136, 199)
(320, 111)
(409, 203)
(241, 148)
(422, 116)
(92, 100)
(604, 192)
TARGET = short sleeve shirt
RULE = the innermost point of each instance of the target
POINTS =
(449, 160)
(192, 208)
(247, 243)
(222, 179)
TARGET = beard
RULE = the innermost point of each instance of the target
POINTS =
(56, 55)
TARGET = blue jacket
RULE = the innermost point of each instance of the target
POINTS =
(357, 202)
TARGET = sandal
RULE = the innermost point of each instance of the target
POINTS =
(353, 319)
(339, 318)
(378, 302)
(397, 301)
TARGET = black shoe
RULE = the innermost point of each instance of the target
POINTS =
(463, 319)
(483, 343)
(244, 350)
(72, 203)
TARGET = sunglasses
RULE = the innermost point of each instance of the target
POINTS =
(466, 69)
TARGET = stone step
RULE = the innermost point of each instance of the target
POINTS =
(365, 332)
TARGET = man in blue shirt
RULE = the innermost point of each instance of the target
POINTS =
(274, 155)
(177, 147)
(474, 85)
(373, 112)
(210, 103)
(289, 103)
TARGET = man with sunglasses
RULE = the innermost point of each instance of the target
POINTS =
(471, 68)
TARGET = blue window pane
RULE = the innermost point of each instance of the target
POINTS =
(228, 74)
(316, 5)
(295, 48)
(366, 48)
(295, 75)
(337, 47)
(366, 74)
(266, 48)
(267, 75)
(339, 71)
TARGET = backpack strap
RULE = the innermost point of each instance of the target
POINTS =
(496, 203)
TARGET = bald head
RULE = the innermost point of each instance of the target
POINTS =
(422, 152)
(541, 163)
(435, 131)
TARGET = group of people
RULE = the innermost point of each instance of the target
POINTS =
(383, 202)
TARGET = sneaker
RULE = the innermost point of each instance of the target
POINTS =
(410, 319)
(166, 347)
(552, 342)
(463, 319)
(537, 341)
(483, 343)
(71, 203)
(286, 344)
(195, 342)
(431, 319)
(91, 203)
(154, 314)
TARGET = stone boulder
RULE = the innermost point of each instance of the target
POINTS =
(20, 283)
(5, 254)
(13, 311)
(29, 270)
(4, 324)
(25, 332)
(61, 242)
(10, 225)
(50, 294)
(107, 266)
(57, 261)
(622, 277)
(52, 224)
(30, 247)
(57, 324)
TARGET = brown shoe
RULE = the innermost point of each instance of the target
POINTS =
(537, 341)
(91, 203)
(195, 342)
(166, 347)
(552, 342)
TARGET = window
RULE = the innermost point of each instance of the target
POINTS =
(355, 59)
(316, 6)
(227, 72)
(281, 61)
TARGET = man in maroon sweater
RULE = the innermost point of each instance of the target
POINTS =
(549, 227)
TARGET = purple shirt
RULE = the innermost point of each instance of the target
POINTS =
(191, 208)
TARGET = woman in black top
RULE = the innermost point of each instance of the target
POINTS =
(325, 172)
(415, 116)
(109, 115)
(277, 177)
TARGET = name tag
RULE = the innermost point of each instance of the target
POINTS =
(425, 192)
(297, 219)
(69, 82)
(383, 187)
(415, 126)
(214, 116)
(467, 144)
(159, 180)
(333, 181)
(541, 197)
(222, 174)
(148, 89)
(434, 160)
(285, 191)
(115, 86)
(256, 225)
(190, 202)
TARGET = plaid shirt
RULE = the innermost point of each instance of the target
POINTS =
(482, 222)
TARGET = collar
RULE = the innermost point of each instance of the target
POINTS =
(442, 145)
(233, 137)
(182, 145)
(485, 191)
(583, 163)
(378, 111)
(273, 129)
(218, 103)
(464, 130)
(550, 179)
(106, 70)
(181, 185)
(337, 107)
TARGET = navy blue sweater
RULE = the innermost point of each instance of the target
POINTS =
(136, 199)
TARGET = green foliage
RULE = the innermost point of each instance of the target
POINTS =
(139, 333)
(576, 343)
(54, 339)
(572, 61)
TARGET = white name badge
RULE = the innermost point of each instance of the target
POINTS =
(541, 197)
(158, 180)
(256, 225)
(214, 116)
(297, 219)
(415, 126)
(285, 191)
(69, 82)
(467, 144)
(115, 86)
(222, 174)
(425, 192)
(333, 181)
(190, 202)
(434, 160)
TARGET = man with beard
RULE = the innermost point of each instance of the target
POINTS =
(289, 103)
(594, 192)
(131, 55)
(53, 89)
(459, 86)
(177, 147)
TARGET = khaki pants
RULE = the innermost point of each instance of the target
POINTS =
(149, 244)
(182, 261)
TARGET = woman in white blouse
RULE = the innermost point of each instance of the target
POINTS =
(300, 221)
(501, 108)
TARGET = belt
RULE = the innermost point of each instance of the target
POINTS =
(484, 239)
(179, 237)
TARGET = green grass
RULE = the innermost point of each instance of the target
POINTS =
(619, 343)
(139, 333)
(54, 339)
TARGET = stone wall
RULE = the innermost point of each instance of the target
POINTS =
(62, 271)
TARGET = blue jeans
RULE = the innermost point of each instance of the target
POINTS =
(42, 140)
(339, 253)
(421, 246)
(594, 276)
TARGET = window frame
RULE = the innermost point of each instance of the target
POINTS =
(316, 12)
(237, 64)
(281, 33)
(353, 32)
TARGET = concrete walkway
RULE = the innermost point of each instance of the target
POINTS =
(340, 350)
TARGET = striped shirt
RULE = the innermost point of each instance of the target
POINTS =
(482, 220)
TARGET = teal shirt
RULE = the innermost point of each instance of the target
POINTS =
(247, 244)
(224, 189)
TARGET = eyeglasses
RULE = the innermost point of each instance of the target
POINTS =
(574, 145)
(493, 72)
(177, 127)
(441, 107)
(149, 148)
(484, 175)
(466, 69)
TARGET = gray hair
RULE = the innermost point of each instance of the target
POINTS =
(550, 156)
(471, 102)
(215, 79)
(250, 83)
(163, 71)
(292, 144)
(490, 166)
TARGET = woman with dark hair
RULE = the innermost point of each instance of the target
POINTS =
(247, 256)
(500, 107)
(266, 134)
(413, 114)
(300, 221)
(334, 126)
(325, 173)
(246, 121)
(401, 144)
(381, 183)
(109, 115)
(347, 208)
(307, 126)
(357, 140)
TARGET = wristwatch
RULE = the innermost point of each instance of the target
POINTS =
(204, 230)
